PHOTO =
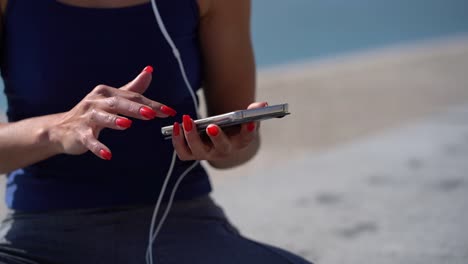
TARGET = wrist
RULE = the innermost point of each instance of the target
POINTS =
(47, 135)
(238, 158)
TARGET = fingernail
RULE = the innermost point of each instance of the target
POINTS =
(168, 111)
(148, 69)
(251, 126)
(147, 112)
(123, 122)
(266, 104)
(105, 154)
(176, 129)
(212, 130)
(187, 123)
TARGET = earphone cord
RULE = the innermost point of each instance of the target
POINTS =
(176, 53)
(153, 234)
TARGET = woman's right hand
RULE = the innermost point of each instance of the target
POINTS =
(77, 131)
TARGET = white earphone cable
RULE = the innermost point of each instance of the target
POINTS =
(176, 53)
(153, 234)
(166, 212)
(149, 251)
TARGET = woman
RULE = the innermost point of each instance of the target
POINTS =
(86, 161)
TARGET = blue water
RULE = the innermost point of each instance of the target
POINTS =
(296, 30)
(286, 31)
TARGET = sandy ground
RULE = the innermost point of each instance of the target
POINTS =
(397, 197)
(365, 170)
(369, 166)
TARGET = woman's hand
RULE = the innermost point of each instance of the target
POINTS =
(222, 146)
(77, 130)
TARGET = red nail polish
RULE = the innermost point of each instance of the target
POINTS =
(251, 126)
(105, 154)
(147, 112)
(168, 111)
(148, 69)
(123, 122)
(176, 129)
(187, 123)
(212, 130)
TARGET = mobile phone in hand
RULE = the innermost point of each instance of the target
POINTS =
(237, 117)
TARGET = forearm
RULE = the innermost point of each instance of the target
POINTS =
(240, 157)
(26, 142)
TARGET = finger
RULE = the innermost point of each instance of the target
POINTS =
(99, 149)
(221, 143)
(132, 91)
(199, 149)
(257, 105)
(180, 146)
(123, 106)
(104, 119)
(161, 109)
(247, 134)
(141, 82)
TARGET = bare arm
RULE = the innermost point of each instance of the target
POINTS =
(229, 65)
(77, 131)
(228, 56)
(229, 75)
(25, 142)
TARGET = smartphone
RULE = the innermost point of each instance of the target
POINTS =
(237, 117)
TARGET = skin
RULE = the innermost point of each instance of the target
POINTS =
(229, 85)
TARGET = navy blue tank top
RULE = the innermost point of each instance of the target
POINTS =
(54, 54)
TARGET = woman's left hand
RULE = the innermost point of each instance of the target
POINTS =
(190, 146)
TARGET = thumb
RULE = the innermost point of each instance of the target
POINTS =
(141, 82)
(257, 105)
